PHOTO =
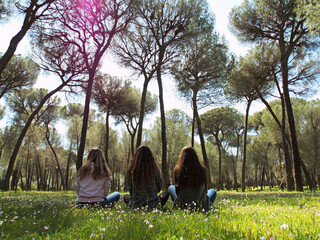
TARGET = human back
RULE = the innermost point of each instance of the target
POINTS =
(190, 182)
(189, 172)
(93, 180)
(144, 180)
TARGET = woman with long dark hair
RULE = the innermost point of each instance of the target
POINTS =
(93, 181)
(190, 182)
(144, 180)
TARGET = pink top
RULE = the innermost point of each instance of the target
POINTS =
(90, 190)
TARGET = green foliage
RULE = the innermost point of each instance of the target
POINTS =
(311, 10)
(24, 102)
(21, 72)
(204, 63)
(259, 20)
(5, 9)
(2, 111)
(255, 215)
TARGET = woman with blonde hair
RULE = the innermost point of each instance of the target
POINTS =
(93, 181)
(144, 180)
(190, 179)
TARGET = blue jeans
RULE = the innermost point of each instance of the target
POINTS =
(212, 194)
(111, 198)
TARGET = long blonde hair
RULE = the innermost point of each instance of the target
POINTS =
(100, 169)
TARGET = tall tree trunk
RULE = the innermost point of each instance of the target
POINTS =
(202, 142)
(23, 133)
(285, 139)
(14, 179)
(27, 168)
(126, 175)
(164, 165)
(142, 108)
(106, 148)
(235, 180)
(55, 157)
(262, 178)
(85, 119)
(235, 164)
(68, 166)
(286, 153)
(40, 176)
(292, 129)
(256, 175)
(193, 124)
(294, 144)
(306, 174)
(243, 177)
(134, 131)
(21, 179)
(220, 174)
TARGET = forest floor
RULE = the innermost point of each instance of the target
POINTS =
(235, 215)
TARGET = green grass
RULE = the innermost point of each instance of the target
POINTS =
(252, 215)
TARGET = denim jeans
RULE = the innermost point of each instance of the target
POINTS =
(212, 194)
(111, 198)
(172, 192)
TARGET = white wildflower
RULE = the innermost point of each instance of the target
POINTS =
(284, 226)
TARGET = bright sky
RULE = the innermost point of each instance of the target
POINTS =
(221, 9)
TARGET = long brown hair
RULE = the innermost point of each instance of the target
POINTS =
(100, 169)
(143, 167)
(189, 172)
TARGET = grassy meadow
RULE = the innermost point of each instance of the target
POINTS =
(250, 215)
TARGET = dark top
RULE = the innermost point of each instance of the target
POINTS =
(193, 198)
(146, 196)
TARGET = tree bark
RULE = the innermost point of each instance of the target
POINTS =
(55, 157)
(106, 148)
(262, 178)
(68, 166)
(219, 167)
(164, 165)
(292, 129)
(85, 120)
(203, 146)
(193, 124)
(243, 177)
(142, 108)
(286, 153)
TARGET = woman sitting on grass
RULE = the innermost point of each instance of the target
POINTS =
(144, 180)
(93, 181)
(190, 179)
